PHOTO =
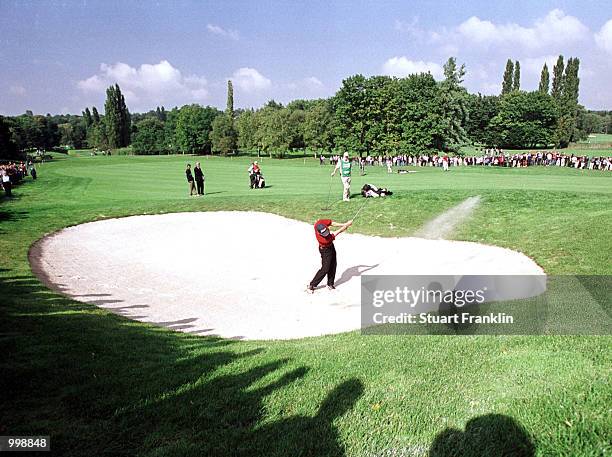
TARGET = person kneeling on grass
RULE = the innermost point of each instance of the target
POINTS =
(326, 238)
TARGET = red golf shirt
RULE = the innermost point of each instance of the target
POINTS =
(324, 241)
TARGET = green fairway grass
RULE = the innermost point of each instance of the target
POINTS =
(98, 383)
(599, 138)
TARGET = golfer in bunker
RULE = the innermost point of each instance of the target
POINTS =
(326, 238)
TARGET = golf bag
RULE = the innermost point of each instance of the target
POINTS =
(257, 181)
(371, 191)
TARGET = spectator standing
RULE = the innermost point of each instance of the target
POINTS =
(199, 178)
(190, 181)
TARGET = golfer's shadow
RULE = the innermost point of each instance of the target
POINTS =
(352, 272)
(484, 436)
(311, 435)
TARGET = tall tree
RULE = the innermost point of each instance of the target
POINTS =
(544, 79)
(516, 82)
(508, 78)
(117, 118)
(568, 104)
(87, 117)
(557, 82)
(453, 106)
(230, 100)
(95, 115)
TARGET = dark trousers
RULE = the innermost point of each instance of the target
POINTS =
(200, 185)
(7, 188)
(328, 267)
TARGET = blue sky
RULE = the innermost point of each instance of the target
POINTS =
(59, 56)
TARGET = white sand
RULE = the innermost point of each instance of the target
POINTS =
(240, 274)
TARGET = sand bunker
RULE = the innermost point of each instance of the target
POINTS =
(240, 274)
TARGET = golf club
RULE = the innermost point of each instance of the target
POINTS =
(327, 208)
(360, 208)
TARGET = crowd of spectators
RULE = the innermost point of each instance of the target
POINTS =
(489, 157)
(11, 174)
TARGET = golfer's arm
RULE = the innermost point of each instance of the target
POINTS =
(343, 227)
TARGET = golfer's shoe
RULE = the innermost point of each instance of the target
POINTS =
(331, 287)
(309, 290)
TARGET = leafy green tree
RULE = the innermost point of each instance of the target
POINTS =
(246, 128)
(223, 135)
(318, 126)
(516, 81)
(482, 110)
(508, 78)
(525, 120)
(149, 137)
(160, 113)
(351, 112)
(544, 80)
(8, 148)
(170, 129)
(79, 133)
(590, 122)
(193, 127)
(420, 114)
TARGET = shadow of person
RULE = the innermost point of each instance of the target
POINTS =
(352, 272)
(309, 436)
(484, 436)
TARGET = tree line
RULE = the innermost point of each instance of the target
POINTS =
(368, 115)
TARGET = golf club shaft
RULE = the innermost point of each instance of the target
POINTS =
(359, 210)
(331, 178)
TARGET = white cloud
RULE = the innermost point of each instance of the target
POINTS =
(603, 38)
(250, 80)
(554, 29)
(312, 82)
(402, 66)
(150, 83)
(220, 31)
(490, 88)
(17, 90)
(409, 27)
(533, 65)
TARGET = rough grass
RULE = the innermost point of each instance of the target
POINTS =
(101, 384)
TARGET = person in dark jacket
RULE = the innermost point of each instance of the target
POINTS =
(190, 181)
(199, 178)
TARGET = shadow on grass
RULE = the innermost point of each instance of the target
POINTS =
(95, 381)
(11, 216)
(484, 436)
